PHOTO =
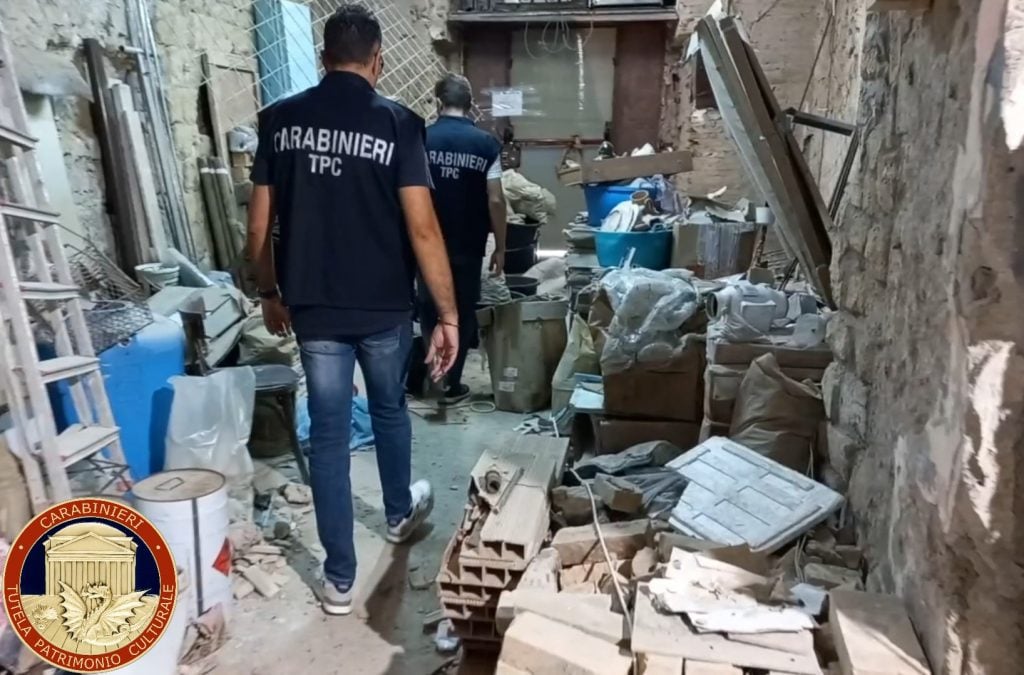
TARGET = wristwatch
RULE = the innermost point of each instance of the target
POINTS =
(268, 295)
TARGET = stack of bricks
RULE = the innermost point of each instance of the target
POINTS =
(504, 525)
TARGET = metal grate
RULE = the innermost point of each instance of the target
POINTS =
(241, 70)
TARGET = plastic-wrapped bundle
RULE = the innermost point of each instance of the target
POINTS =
(649, 309)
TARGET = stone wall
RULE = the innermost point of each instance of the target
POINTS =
(926, 395)
(183, 29)
(59, 28)
(785, 35)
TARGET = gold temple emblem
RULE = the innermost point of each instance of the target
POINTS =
(89, 585)
(90, 599)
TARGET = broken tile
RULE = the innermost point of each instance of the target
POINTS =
(874, 635)
(241, 587)
(644, 562)
(297, 493)
(542, 572)
(667, 541)
(420, 580)
(852, 556)
(582, 588)
(573, 503)
(431, 620)
(262, 581)
(576, 545)
(618, 494)
(658, 664)
(831, 576)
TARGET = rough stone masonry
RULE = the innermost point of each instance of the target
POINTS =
(925, 397)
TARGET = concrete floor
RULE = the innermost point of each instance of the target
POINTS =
(290, 634)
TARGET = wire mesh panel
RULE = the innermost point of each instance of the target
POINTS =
(280, 55)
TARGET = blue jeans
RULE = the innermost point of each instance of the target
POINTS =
(329, 366)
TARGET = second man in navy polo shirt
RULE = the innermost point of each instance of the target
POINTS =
(465, 164)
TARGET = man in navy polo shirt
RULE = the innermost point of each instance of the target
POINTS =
(344, 171)
(465, 164)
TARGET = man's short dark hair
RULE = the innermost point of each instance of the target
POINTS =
(454, 91)
(351, 35)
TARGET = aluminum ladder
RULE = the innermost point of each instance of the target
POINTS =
(36, 280)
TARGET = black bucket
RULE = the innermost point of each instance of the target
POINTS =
(518, 260)
(520, 286)
(520, 236)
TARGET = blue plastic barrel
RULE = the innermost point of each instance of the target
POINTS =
(653, 249)
(601, 198)
(136, 373)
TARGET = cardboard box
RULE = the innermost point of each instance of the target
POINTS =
(668, 391)
(628, 168)
(616, 435)
(744, 353)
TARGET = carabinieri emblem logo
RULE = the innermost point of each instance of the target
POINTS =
(89, 585)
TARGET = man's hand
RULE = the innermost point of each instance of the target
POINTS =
(497, 262)
(444, 345)
(275, 317)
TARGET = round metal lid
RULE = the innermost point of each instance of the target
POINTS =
(178, 485)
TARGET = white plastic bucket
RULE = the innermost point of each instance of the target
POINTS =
(162, 658)
(158, 275)
(190, 508)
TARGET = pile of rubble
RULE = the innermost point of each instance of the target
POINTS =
(260, 549)
(622, 576)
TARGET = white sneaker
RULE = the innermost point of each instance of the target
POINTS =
(334, 601)
(422, 505)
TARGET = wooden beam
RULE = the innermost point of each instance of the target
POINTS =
(583, 17)
(900, 6)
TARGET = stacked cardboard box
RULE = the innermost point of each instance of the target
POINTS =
(505, 523)
(727, 363)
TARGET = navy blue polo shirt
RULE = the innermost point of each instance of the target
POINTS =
(336, 156)
(462, 159)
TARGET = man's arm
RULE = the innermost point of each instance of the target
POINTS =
(261, 215)
(261, 253)
(428, 245)
(499, 224)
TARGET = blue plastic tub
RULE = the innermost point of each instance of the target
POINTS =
(653, 249)
(136, 374)
(601, 198)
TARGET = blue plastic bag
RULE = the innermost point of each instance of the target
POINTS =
(361, 437)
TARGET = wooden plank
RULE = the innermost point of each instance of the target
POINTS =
(144, 198)
(900, 6)
(808, 186)
(746, 89)
(591, 614)
(762, 149)
(873, 635)
(535, 644)
(237, 91)
(669, 635)
(220, 140)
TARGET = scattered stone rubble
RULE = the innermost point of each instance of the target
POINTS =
(260, 555)
(691, 604)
